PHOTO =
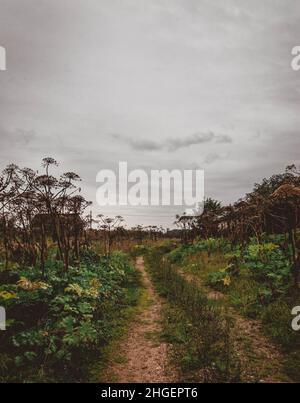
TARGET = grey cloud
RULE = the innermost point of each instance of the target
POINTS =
(25, 136)
(16, 137)
(173, 144)
(152, 69)
(212, 157)
(138, 144)
(224, 139)
(197, 138)
(144, 145)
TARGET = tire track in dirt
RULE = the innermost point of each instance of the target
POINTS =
(260, 360)
(145, 356)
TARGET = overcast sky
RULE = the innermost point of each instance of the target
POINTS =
(158, 83)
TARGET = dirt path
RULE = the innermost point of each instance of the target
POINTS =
(144, 355)
(260, 360)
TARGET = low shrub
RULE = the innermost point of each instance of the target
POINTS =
(55, 323)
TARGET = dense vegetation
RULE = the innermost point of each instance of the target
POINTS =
(66, 282)
(61, 321)
(63, 301)
(198, 330)
(255, 281)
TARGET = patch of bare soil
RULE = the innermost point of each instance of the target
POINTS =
(144, 357)
(260, 360)
(211, 294)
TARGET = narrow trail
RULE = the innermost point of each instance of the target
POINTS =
(144, 355)
(260, 360)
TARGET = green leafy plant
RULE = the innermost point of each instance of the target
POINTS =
(62, 319)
